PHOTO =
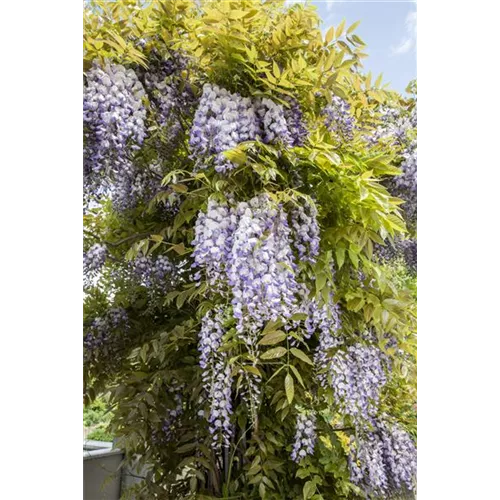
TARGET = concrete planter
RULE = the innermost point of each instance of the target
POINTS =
(101, 471)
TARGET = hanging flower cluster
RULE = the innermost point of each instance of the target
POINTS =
(248, 247)
(114, 122)
(306, 231)
(273, 124)
(221, 122)
(400, 131)
(216, 375)
(155, 273)
(261, 270)
(383, 460)
(338, 118)
(99, 332)
(224, 119)
(213, 241)
(93, 260)
(305, 436)
(357, 377)
(326, 319)
(295, 122)
(404, 249)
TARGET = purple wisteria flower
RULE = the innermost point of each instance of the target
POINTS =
(357, 376)
(114, 121)
(338, 118)
(306, 231)
(326, 319)
(93, 260)
(305, 436)
(216, 377)
(383, 460)
(295, 122)
(98, 334)
(213, 241)
(261, 270)
(221, 122)
(273, 124)
(156, 273)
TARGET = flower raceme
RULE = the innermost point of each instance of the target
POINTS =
(305, 436)
(383, 459)
(224, 119)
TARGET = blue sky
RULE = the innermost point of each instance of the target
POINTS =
(389, 28)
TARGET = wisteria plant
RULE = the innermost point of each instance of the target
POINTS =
(244, 179)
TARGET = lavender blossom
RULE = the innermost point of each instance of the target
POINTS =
(261, 270)
(339, 119)
(114, 121)
(213, 241)
(383, 461)
(305, 436)
(216, 377)
(273, 124)
(357, 377)
(93, 260)
(306, 231)
(155, 273)
(221, 122)
(295, 122)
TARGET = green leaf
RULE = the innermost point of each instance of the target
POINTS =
(262, 490)
(289, 388)
(303, 473)
(358, 40)
(185, 448)
(179, 248)
(299, 317)
(329, 35)
(320, 282)
(340, 256)
(297, 375)
(273, 338)
(179, 188)
(237, 14)
(309, 489)
(340, 29)
(252, 369)
(301, 355)
(277, 352)
(236, 156)
(354, 258)
(276, 70)
(352, 27)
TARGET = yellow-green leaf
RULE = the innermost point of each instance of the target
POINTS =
(252, 369)
(273, 338)
(301, 355)
(237, 14)
(329, 35)
(179, 188)
(309, 489)
(354, 258)
(340, 29)
(352, 27)
(277, 352)
(276, 70)
(340, 255)
(289, 388)
(297, 375)
(330, 60)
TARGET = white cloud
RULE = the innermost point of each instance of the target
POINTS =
(410, 40)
